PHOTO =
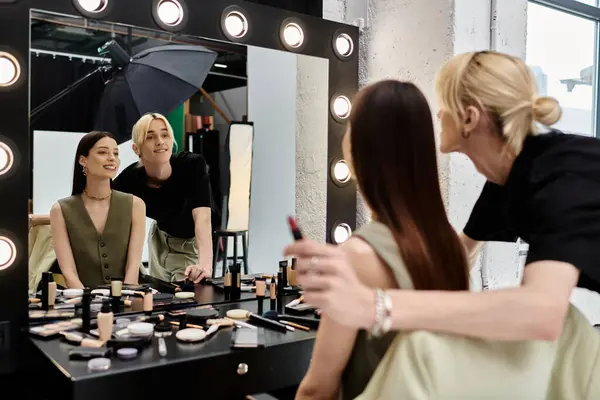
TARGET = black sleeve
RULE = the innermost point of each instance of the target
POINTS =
(566, 219)
(201, 193)
(489, 219)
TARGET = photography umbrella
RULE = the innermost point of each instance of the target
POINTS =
(158, 80)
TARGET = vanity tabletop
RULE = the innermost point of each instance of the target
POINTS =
(232, 373)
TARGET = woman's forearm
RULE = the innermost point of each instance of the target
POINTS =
(72, 280)
(132, 273)
(204, 245)
(507, 314)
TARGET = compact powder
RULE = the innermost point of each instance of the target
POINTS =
(185, 295)
(237, 314)
(72, 293)
(190, 335)
(127, 353)
(201, 315)
(140, 329)
(98, 364)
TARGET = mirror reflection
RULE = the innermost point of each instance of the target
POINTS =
(161, 161)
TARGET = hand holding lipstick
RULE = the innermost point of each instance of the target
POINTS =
(330, 283)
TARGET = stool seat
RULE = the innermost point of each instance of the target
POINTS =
(226, 234)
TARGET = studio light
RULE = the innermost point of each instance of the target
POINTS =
(341, 107)
(7, 158)
(293, 35)
(343, 45)
(341, 171)
(341, 233)
(234, 24)
(8, 252)
(10, 69)
(170, 12)
(93, 6)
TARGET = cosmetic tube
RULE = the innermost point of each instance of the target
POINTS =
(292, 274)
(86, 302)
(105, 322)
(283, 268)
(273, 294)
(148, 301)
(116, 286)
(48, 290)
(235, 278)
(280, 283)
(261, 288)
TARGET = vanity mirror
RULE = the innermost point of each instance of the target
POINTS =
(298, 76)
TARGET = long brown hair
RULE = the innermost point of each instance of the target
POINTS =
(394, 159)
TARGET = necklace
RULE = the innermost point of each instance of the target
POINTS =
(96, 198)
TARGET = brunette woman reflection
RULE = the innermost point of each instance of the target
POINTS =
(98, 232)
(410, 238)
(176, 191)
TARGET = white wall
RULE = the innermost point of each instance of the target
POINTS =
(272, 109)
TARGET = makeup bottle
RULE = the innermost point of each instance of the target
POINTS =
(283, 268)
(280, 281)
(273, 293)
(235, 282)
(148, 301)
(292, 274)
(48, 290)
(261, 288)
(105, 321)
(227, 284)
(116, 286)
(86, 303)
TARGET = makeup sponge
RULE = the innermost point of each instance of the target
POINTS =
(237, 314)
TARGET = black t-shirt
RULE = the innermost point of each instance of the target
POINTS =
(171, 205)
(551, 200)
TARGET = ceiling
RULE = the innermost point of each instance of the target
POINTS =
(66, 36)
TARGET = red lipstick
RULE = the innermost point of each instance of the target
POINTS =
(295, 229)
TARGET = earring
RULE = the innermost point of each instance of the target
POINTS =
(85, 171)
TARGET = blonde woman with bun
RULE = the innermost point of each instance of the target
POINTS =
(176, 190)
(543, 187)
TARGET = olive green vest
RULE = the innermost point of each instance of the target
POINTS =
(368, 352)
(99, 258)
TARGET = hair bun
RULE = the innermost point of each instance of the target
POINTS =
(546, 110)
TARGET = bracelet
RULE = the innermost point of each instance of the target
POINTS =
(383, 314)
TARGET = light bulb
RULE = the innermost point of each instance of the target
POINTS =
(236, 24)
(341, 171)
(6, 158)
(341, 233)
(342, 107)
(93, 6)
(8, 252)
(293, 35)
(10, 70)
(170, 12)
(344, 45)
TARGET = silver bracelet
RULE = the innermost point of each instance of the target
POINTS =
(383, 314)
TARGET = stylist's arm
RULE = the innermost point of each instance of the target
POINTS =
(202, 228)
(536, 310)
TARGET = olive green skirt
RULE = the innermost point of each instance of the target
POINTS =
(169, 256)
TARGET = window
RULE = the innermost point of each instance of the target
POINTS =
(562, 51)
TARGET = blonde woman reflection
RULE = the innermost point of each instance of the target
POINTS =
(176, 191)
(98, 232)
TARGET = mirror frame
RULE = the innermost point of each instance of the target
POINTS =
(204, 21)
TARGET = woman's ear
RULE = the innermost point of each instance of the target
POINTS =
(82, 161)
(471, 119)
(135, 149)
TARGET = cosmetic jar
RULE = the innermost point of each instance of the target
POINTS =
(127, 353)
(140, 329)
(199, 316)
(98, 364)
(190, 335)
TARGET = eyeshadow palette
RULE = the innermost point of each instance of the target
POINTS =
(49, 331)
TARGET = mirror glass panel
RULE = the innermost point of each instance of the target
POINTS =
(248, 133)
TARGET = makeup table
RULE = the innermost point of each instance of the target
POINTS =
(210, 369)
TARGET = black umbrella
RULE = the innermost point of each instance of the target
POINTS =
(158, 80)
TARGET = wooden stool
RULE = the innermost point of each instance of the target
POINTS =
(226, 234)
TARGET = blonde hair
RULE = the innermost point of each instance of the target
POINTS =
(140, 130)
(500, 85)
